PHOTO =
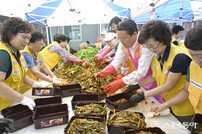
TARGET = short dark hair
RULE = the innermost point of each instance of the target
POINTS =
(13, 26)
(158, 30)
(61, 37)
(193, 38)
(115, 20)
(36, 36)
(127, 25)
(176, 29)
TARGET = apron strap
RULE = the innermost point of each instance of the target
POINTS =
(134, 60)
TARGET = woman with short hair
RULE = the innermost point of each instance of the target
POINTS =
(15, 35)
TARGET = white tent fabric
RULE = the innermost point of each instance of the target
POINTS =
(86, 12)
(18, 8)
(138, 7)
(196, 6)
(94, 11)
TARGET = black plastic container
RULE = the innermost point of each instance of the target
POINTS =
(80, 98)
(43, 91)
(21, 116)
(196, 123)
(41, 102)
(81, 117)
(114, 129)
(119, 106)
(67, 90)
(50, 116)
(91, 115)
(100, 96)
(63, 90)
(151, 129)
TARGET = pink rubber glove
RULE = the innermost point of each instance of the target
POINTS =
(101, 55)
(75, 59)
(101, 51)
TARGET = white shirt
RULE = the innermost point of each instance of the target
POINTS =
(143, 63)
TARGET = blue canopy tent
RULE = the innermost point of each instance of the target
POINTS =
(40, 14)
(124, 13)
(170, 11)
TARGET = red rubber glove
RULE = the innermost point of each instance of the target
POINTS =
(79, 61)
(86, 63)
(106, 71)
(95, 59)
(112, 87)
(108, 60)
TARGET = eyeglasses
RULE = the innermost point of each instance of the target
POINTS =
(40, 45)
(153, 48)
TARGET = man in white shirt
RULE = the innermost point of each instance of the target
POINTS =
(128, 35)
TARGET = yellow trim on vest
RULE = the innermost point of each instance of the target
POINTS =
(16, 78)
(68, 47)
(39, 65)
(97, 45)
(195, 87)
(51, 59)
(182, 109)
(83, 45)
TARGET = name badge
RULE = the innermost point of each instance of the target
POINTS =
(16, 72)
(155, 66)
(166, 71)
(15, 63)
(26, 68)
(22, 60)
(39, 64)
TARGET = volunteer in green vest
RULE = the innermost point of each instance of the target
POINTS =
(193, 87)
(15, 35)
(55, 52)
(35, 61)
(169, 67)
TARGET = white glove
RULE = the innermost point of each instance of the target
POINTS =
(28, 102)
(162, 113)
(41, 84)
(55, 80)
(124, 71)
(54, 77)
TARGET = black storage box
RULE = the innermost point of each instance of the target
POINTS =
(151, 129)
(91, 115)
(50, 116)
(81, 117)
(196, 124)
(68, 90)
(21, 116)
(80, 98)
(119, 106)
(41, 102)
(115, 129)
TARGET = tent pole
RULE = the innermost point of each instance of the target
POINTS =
(47, 34)
(181, 11)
